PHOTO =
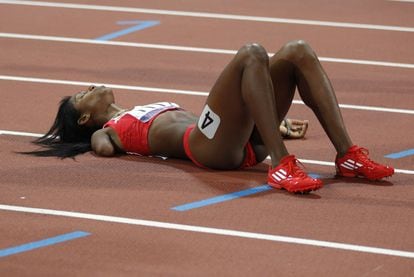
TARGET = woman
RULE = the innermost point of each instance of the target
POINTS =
(238, 127)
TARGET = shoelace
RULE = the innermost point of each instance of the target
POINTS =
(295, 170)
(362, 155)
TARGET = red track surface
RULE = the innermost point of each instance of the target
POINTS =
(348, 211)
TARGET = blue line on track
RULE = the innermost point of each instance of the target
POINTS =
(315, 176)
(227, 197)
(41, 243)
(138, 25)
(222, 198)
(401, 154)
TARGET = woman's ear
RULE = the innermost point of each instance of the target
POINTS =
(84, 118)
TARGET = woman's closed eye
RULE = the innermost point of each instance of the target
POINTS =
(80, 95)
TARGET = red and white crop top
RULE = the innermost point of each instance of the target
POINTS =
(132, 127)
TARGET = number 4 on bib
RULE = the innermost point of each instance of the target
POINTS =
(208, 122)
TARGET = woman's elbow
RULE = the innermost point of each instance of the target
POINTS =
(104, 150)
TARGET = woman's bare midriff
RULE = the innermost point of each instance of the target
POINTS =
(166, 133)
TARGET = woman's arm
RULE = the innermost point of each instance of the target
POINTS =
(102, 143)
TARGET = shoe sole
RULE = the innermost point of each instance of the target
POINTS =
(358, 175)
(301, 190)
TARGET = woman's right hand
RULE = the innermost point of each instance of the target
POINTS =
(294, 128)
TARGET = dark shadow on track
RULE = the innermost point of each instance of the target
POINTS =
(222, 181)
(356, 180)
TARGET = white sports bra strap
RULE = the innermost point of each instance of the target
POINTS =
(145, 113)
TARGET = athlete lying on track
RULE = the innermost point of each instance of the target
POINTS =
(239, 126)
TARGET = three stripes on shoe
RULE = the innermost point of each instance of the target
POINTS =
(351, 164)
(281, 175)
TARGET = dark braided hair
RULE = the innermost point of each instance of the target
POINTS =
(66, 138)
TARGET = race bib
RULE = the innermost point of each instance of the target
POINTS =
(208, 122)
(145, 113)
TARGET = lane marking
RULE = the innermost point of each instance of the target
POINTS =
(221, 198)
(138, 26)
(178, 91)
(396, 170)
(402, 154)
(188, 49)
(315, 176)
(114, 86)
(229, 196)
(42, 243)
(213, 15)
(25, 134)
(210, 230)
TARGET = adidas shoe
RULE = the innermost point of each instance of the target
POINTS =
(356, 163)
(289, 176)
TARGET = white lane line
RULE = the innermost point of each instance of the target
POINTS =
(209, 230)
(370, 108)
(402, 171)
(212, 15)
(26, 134)
(118, 43)
(22, 134)
(187, 48)
(178, 91)
(409, 1)
(113, 86)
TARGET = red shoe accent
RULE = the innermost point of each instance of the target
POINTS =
(356, 163)
(289, 176)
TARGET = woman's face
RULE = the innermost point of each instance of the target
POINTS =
(94, 101)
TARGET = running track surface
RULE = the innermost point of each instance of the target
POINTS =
(271, 233)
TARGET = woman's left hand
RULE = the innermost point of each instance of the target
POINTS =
(294, 128)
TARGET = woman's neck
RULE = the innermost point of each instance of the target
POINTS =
(114, 110)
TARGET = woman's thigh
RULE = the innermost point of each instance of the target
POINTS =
(225, 125)
(282, 72)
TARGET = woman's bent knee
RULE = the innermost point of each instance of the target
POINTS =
(298, 51)
(253, 53)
